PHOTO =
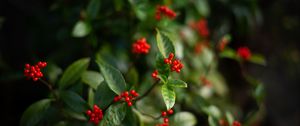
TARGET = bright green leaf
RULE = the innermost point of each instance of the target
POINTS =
(103, 95)
(91, 97)
(177, 83)
(112, 76)
(74, 101)
(228, 53)
(258, 59)
(73, 72)
(164, 44)
(92, 78)
(202, 7)
(81, 29)
(168, 94)
(114, 115)
(229, 117)
(35, 113)
(212, 121)
(93, 8)
(184, 119)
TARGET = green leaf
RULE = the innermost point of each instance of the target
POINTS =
(74, 101)
(103, 95)
(91, 97)
(202, 7)
(228, 53)
(229, 117)
(35, 113)
(177, 83)
(212, 121)
(258, 59)
(114, 115)
(183, 119)
(112, 76)
(259, 93)
(168, 94)
(73, 73)
(162, 68)
(81, 29)
(75, 115)
(93, 8)
(131, 119)
(92, 78)
(132, 77)
(164, 44)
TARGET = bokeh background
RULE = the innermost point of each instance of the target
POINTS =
(32, 30)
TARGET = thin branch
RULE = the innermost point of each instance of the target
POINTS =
(47, 84)
(148, 91)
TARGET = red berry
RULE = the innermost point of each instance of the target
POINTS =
(132, 92)
(163, 114)
(236, 123)
(129, 103)
(88, 112)
(244, 53)
(170, 111)
(125, 94)
(166, 120)
(127, 99)
(27, 66)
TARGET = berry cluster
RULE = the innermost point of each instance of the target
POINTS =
(223, 122)
(236, 123)
(141, 46)
(205, 81)
(223, 43)
(164, 114)
(176, 65)
(34, 71)
(95, 116)
(164, 10)
(155, 74)
(127, 97)
(244, 53)
(201, 27)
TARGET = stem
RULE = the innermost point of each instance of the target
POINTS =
(148, 91)
(47, 84)
(145, 114)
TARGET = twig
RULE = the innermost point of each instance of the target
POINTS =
(148, 91)
(47, 84)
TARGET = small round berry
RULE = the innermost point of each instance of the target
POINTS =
(170, 111)
(35, 79)
(125, 94)
(171, 56)
(88, 112)
(166, 120)
(127, 99)
(163, 114)
(27, 66)
(129, 103)
(132, 92)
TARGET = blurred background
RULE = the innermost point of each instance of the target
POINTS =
(35, 30)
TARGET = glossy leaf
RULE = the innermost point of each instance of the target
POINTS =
(114, 115)
(103, 95)
(73, 73)
(81, 29)
(164, 44)
(258, 59)
(228, 53)
(112, 76)
(177, 83)
(91, 97)
(74, 101)
(92, 78)
(184, 119)
(212, 121)
(35, 113)
(93, 8)
(168, 94)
